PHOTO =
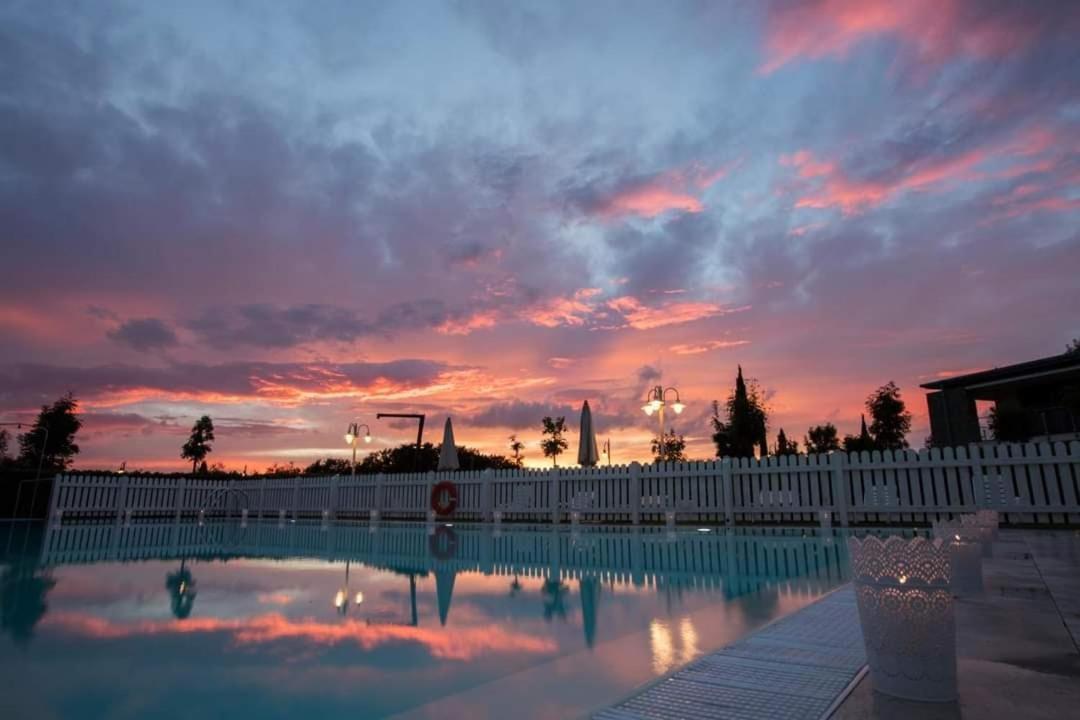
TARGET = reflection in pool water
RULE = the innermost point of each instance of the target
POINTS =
(278, 621)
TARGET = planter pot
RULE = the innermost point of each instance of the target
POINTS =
(988, 519)
(905, 607)
(984, 528)
(966, 556)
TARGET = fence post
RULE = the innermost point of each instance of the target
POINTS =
(54, 501)
(635, 492)
(978, 482)
(181, 488)
(840, 501)
(486, 504)
(295, 497)
(380, 494)
(554, 496)
(262, 497)
(425, 502)
(333, 500)
(727, 492)
(121, 497)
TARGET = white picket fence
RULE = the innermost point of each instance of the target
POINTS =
(738, 559)
(1031, 483)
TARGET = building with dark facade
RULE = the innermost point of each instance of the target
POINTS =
(1035, 400)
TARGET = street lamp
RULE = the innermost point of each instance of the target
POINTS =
(352, 435)
(341, 598)
(656, 402)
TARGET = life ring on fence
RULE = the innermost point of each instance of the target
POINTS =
(443, 543)
(444, 498)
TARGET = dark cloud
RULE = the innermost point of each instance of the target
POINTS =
(647, 374)
(269, 326)
(27, 385)
(145, 334)
(522, 415)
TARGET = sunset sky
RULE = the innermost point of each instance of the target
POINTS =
(291, 216)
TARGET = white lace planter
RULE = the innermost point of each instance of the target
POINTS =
(906, 612)
(984, 527)
(966, 554)
(988, 519)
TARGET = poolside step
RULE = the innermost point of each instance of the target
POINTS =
(793, 669)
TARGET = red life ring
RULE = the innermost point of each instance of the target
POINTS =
(444, 498)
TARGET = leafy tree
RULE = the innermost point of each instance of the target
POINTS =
(746, 423)
(1008, 425)
(50, 443)
(282, 470)
(329, 466)
(669, 448)
(406, 458)
(553, 443)
(1073, 347)
(862, 442)
(821, 439)
(22, 600)
(5, 439)
(516, 446)
(198, 445)
(785, 446)
(891, 421)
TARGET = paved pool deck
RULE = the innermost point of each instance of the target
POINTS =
(1018, 645)
(1018, 648)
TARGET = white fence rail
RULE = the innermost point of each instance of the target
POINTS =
(740, 560)
(1032, 483)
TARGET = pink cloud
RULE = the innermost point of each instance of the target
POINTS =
(639, 316)
(827, 185)
(935, 30)
(585, 308)
(704, 347)
(675, 190)
(446, 643)
(573, 310)
(477, 321)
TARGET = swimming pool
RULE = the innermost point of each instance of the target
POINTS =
(284, 620)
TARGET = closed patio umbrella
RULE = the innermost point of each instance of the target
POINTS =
(587, 454)
(448, 459)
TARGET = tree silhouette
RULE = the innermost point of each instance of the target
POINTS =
(404, 458)
(198, 445)
(5, 440)
(50, 443)
(785, 446)
(22, 600)
(329, 466)
(1009, 425)
(822, 439)
(746, 424)
(670, 448)
(891, 421)
(1073, 347)
(554, 592)
(862, 442)
(553, 443)
(516, 446)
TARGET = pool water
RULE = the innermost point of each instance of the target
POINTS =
(289, 620)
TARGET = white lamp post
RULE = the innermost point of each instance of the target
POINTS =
(352, 435)
(656, 402)
(341, 598)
